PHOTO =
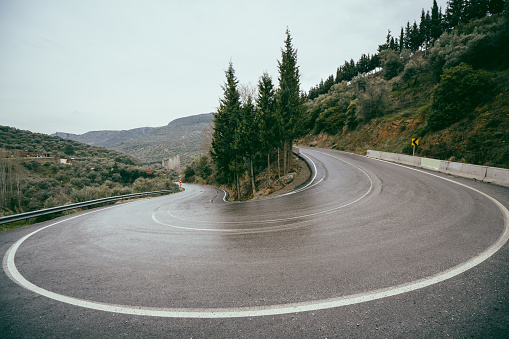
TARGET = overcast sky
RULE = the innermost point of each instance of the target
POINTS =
(78, 66)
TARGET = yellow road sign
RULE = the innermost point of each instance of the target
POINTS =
(415, 141)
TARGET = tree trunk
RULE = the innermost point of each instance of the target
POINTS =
(3, 183)
(238, 186)
(268, 168)
(278, 164)
(285, 170)
(290, 155)
(18, 186)
(237, 178)
(252, 177)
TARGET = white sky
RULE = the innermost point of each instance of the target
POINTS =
(78, 66)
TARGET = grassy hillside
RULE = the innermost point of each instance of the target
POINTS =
(454, 97)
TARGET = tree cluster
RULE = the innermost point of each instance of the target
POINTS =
(468, 37)
(250, 126)
(346, 72)
(435, 22)
(413, 37)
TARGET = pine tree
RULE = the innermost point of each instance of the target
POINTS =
(269, 128)
(374, 62)
(408, 34)
(425, 29)
(496, 6)
(436, 22)
(415, 38)
(339, 75)
(475, 9)
(225, 124)
(363, 64)
(328, 84)
(454, 13)
(289, 104)
(401, 40)
(246, 140)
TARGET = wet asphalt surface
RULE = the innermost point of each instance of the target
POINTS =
(360, 225)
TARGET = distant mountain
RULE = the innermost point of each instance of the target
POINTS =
(105, 138)
(186, 137)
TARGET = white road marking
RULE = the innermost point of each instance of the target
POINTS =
(13, 273)
(266, 229)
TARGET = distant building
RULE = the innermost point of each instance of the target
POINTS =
(172, 163)
(41, 157)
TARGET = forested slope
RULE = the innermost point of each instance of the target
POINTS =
(452, 92)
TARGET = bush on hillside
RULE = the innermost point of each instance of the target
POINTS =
(375, 101)
(456, 96)
(392, 64)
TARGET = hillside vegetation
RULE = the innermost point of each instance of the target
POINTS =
(444, 81)
(453, 94)
(92, 172)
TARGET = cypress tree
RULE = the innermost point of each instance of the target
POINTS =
(401, 40)
(408, 34)
(225, 124)
(436, 22)
(269, 128)
(454, 12)
(339, 75)
(246, 140)
(416, 39)
(289, 102)
(496, 6)
(425, 29)
(328, 84)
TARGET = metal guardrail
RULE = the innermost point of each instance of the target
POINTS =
(52, 210)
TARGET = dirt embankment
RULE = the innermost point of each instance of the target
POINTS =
(298, 175)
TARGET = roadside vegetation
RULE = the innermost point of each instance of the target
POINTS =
(27, 184)
(254, 131)
(444, 80)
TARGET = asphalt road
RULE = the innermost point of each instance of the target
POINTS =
(365, 249)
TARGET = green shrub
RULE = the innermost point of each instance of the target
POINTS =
(375, 101)
(392, 64)
(460, 90)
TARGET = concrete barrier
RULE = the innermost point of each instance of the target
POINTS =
(466, 170)
(433, 164)
(494, 175)
(498, 176)
(373, 154)
(389, 156)
(443, 166)
(409, 160)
